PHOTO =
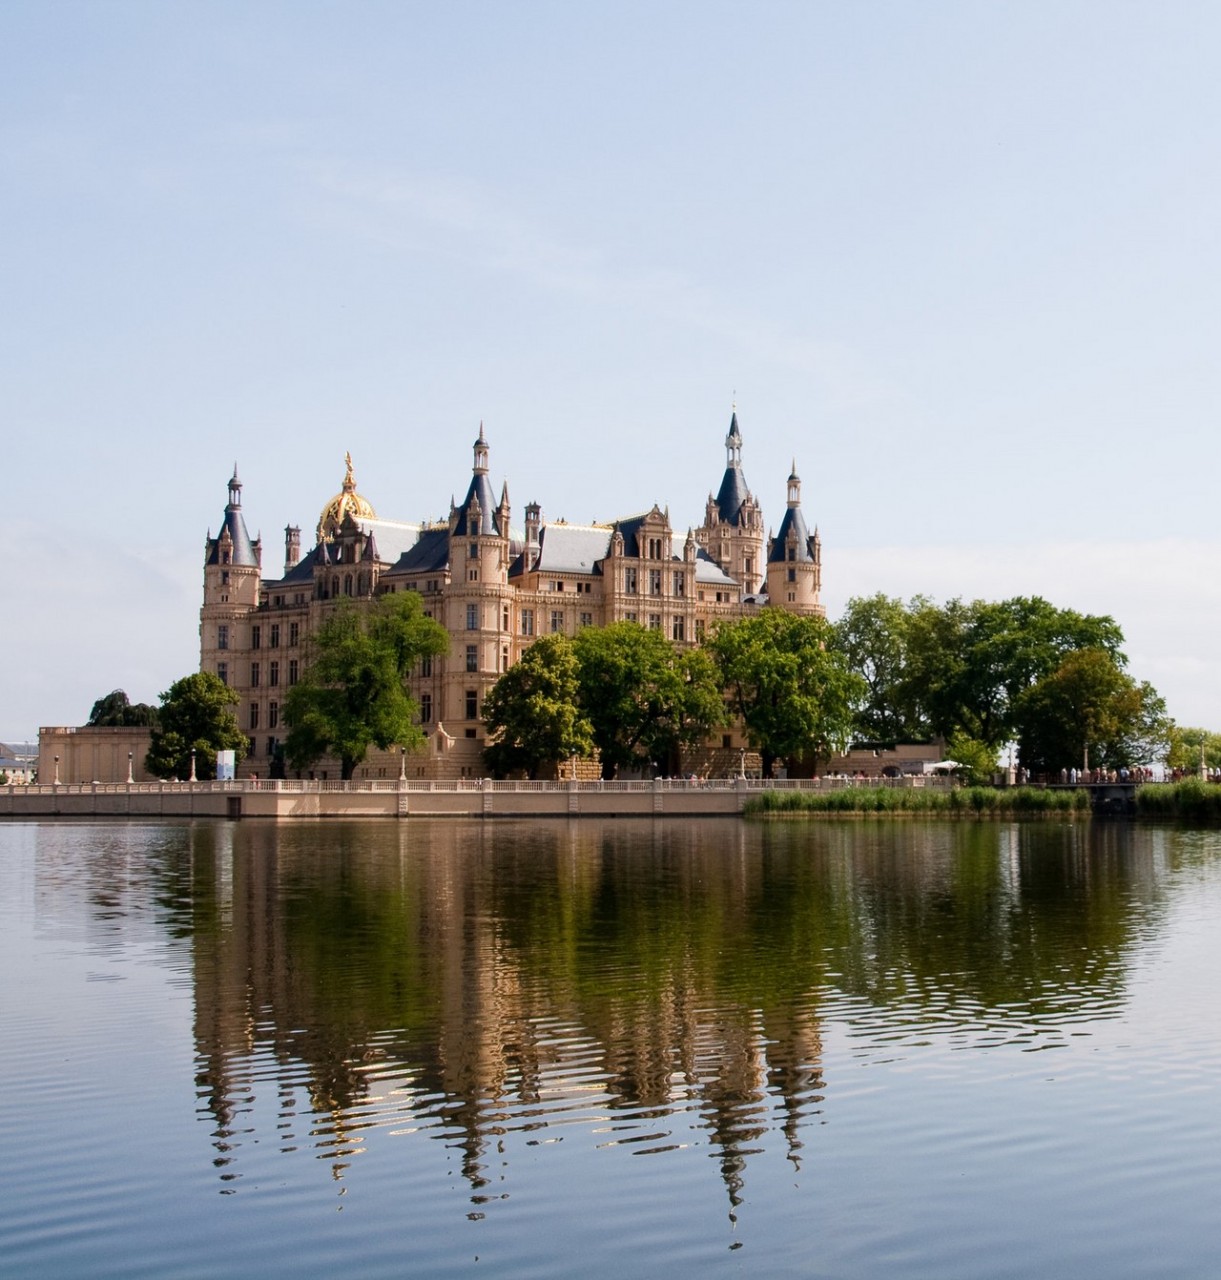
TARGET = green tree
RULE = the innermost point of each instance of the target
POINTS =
(873, 635)
(1183, 749)
(1090, 706)
(532, 712)
(969, 664)
(977, 759)
(197, 716)
(795, 695)
(645, 699)
(116, 710)
(353, 694)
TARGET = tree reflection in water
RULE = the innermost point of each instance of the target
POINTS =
(660, 985)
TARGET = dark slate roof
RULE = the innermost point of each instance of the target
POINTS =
(732, 494)
(430, 554)
(481, 487)
(630, 528)
(243, 548)
(794, 523)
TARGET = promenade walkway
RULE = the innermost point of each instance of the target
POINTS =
(404, 797)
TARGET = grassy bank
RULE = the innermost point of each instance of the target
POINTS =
(1188, 799)
(962, 800)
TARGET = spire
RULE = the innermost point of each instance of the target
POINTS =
(733, 443)
(232, 544)
(792, 541)
(481, 453)
(733, 492)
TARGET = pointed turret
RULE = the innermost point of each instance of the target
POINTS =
(233, 542)
(480, 498)
(732, 532)
(794, 558)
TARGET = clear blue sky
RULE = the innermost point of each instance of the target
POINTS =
(960, 261)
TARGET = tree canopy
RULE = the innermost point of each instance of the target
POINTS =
(959, 669)
(1090, 711)
(533, 713)
(645, 698)
(1187, 745)
(796, 696)
(353, 694)
(115, 709)
(197, 716)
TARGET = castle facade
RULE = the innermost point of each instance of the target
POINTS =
(495, 588)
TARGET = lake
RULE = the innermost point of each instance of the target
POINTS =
(627, 1048)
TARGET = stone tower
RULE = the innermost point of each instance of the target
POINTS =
(794, 559)
(732, 532)
(232, 574)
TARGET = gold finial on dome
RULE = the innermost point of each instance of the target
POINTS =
(347, 501)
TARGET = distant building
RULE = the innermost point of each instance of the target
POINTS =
(93, 753)
(18, 762)
(495, 588)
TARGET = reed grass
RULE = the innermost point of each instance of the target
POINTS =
(1190, 798)
(961, 800)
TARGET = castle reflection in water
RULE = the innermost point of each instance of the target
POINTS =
(661, 985)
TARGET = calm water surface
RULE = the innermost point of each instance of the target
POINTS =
(630, 1049)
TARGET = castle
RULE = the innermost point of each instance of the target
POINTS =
(494, 588)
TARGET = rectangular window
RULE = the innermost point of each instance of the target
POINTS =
(473, 551)
(273, 674)
(654, 548)
(292, 672)
(273, 744)
(631, 616)
(587, 619)
(654, 582)
(254, 675)
(273, 714)
(680, 584)
(426, 665)
(654, 621)
(750, 564)
(472, 617)
(222, 636)
(275, 635)
(504, 618)
(557, 620)
(792, 575)
(629, 581)
(256, 636)
(472, 705)
(557, 586)
(678, 630)
(294, 633)
(699, 629)
(527, 622)
(472, 657)
(426, 708)
(254, 715)
(222, 672)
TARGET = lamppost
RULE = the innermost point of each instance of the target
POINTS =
(193, 777)
(56, 780)
(402, 764)
(130, 779)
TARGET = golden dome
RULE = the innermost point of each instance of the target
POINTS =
(345, 501)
